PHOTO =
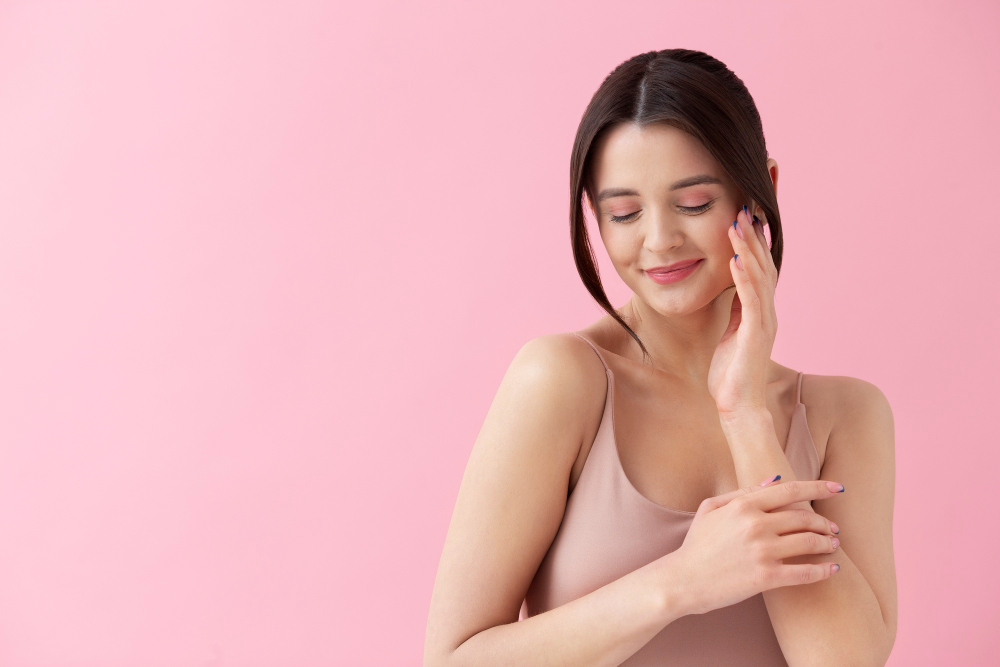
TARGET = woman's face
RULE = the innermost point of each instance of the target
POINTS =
(661, 198)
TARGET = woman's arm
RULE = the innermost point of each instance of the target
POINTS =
(849, 619)
(510, 505)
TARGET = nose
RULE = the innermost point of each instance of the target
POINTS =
(662, 233)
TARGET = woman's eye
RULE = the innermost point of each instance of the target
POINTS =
(695, 209)
(623, 218)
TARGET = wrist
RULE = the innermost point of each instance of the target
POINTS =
(746, 418)
(675, 595)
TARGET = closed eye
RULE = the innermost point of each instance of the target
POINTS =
(623, 218)
(694, 210)
(688, 210)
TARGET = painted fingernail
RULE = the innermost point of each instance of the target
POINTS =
(745, 210)
(757, 220)
(835, 568)
(836, 543)
(835, 487)
(739, 232)
(834, 527)
(739, 262)
(770, 479)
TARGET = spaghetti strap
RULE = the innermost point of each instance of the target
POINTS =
(601, 356)
(798, 391)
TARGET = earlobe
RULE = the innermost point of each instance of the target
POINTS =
(772, 169)
(589, 205)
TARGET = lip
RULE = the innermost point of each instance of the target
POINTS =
(673, 272)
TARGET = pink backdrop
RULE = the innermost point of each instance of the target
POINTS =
(263, 266)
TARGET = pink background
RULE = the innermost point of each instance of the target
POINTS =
(263, 266)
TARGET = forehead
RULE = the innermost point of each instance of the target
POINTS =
(654, 155)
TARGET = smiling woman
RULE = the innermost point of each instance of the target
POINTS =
(612, 510)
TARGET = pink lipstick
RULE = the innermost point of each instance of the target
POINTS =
(674, 272)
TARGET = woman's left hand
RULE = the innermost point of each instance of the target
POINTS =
(737, 376)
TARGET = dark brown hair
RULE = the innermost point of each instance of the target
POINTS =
(696, 93)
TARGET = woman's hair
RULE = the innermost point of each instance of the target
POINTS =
(696, 93)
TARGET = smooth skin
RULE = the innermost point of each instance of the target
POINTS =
(710, 337)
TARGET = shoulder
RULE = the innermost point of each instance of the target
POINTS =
(856, 413)
(550, 399)
(559, 365)
(851, 399)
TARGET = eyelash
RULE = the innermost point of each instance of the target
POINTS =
(689, 210)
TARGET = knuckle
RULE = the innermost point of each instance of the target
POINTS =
(821, 523)
(814, 543)
(806, 519)
(759, 551)
(790, 489)
(763, 577)
(741, 504)
(756, 525)
(805, 575)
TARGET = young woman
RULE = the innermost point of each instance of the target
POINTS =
(652, 489)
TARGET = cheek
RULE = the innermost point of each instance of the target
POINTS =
(621, 243)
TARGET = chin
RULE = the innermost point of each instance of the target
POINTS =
(681, 302)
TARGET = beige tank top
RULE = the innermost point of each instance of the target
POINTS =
(610, 529)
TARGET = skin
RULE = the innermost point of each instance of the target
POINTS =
(709, 337)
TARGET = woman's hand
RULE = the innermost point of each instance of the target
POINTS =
(736, 543)
(737, 375)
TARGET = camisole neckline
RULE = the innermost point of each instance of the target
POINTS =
(799, 412)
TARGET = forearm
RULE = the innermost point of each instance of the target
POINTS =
(604, 627)
(836, 621)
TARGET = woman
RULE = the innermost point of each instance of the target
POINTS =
(615, 494)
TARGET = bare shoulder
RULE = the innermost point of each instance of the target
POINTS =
(849, 399)
(839, 404)
(559, 362)
(854, 413)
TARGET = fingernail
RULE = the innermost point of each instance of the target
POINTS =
(739, 232)
(739, 262)
(836, 543)
(745, 210)
(757, 220)
(835, 568)
(770, 479)
(834, 527)
(835, 487)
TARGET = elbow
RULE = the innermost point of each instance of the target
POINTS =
(878, 653)
(889, 640)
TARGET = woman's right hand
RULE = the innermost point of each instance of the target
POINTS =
(736, 543)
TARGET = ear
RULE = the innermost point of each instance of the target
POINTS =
(590, 204)
(772, 169)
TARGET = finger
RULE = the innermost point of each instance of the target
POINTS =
(768, 258)
(715, 502)
(752, 238)
(805, 573)
(794, 520)
(762, 273)
(799, 544)
(770, 480)
(779, 495)
(750, 304)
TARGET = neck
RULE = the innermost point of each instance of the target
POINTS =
(682, 345)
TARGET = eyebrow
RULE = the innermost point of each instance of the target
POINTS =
(700, 179)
